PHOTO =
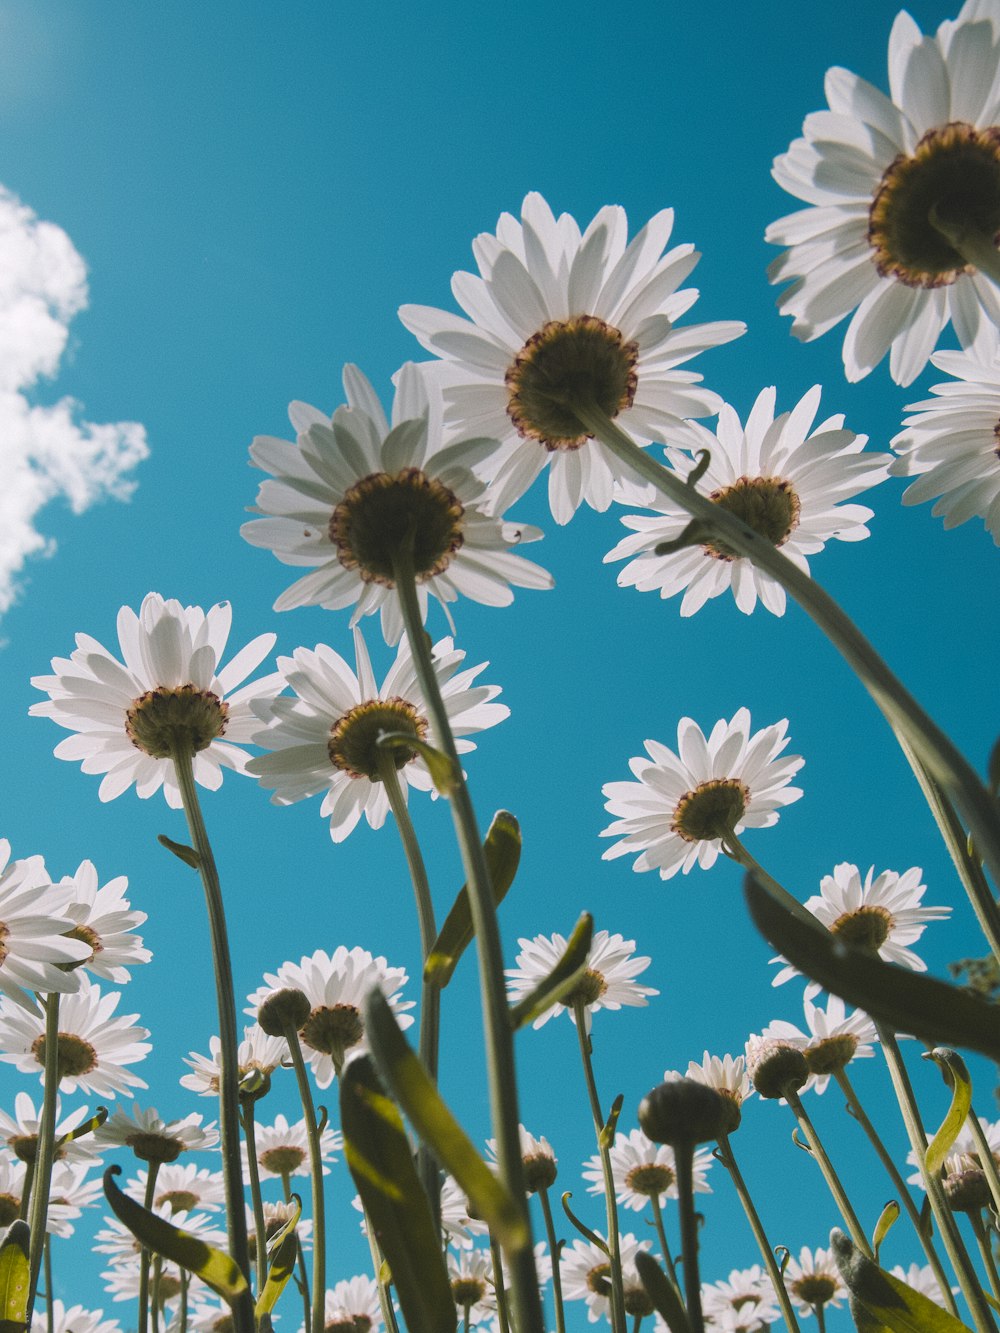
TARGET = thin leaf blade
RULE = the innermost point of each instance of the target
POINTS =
(283, 1255)
(662, 1293)
(561, 980)
(956, 1075)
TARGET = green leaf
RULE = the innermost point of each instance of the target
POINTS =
(561, 980)
(887, 1220)
(415, 1092)
(216, 1270)
(381, 1163)
(888, 1302)
(502, 850)
(15, 1278)
(443, 772)
(662, 1292)
(283, 1252)
(956, 1075)
(906, 1001)
(584, 1231)
(88, 1127)
(181, 850)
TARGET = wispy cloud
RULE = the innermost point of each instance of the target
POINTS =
(46, 452)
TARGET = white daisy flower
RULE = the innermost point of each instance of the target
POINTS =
(952, 440)
(283, 1149)
(874, 170)
(35, 946)
(123, 1247)
(324, 740)
(153, 1139)
(470, 1273)
(94, 1046)
(814, 1279)
(104, 919)
(728, 1076)
(608, 983)
(121, 1281)
(459, 1226)
(181, 1187)
(122, 715)
(352, 1306)
(784, 478)
(552, 313)
(20, 1132)
(643, 1170)
(586, 1276)
(537, 1157)
(680, 807)
(833, 1040)
(345, 496)
(747, 1293)
(276, 1218)
(965, 1154)
(71, 1319)
(69, 1193)
(921, 1278)
(11, 1188)
(335, 988)
(257, 1055)
(882, 913)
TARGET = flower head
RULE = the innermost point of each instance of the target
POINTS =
(881, 913)
(153, 1139)
(727, 1076)
(470, 1273)
(586, 1276)
(283, 1149)
(103, 919)
(69, 1193)
(682, 805)
(558, 318)
(354, 490)
(72, 1319)
(169, 691)
(257, 1057)
(36, 950)
(20, 1132)
(747, 1293)
(326, 738)
(922, 1279)
(181, 1187)
(537, 1157)
(876, 171)
(608, 982)
(644, 1170)
(834, 1039)
(814, 1280)
(784, 478)
(352, 1306)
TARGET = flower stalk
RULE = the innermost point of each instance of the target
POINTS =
(316, 1173)
(248, 1117)
(46, 1147)
(833, 1184)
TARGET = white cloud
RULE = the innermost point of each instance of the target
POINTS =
(45, 451)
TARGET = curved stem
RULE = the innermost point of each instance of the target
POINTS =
(904, 715)
(498, 1035)
(985, 1252)
(726, 1157)
(316, 1165)
(46, 1147)
(554, 1252)
(248, 1116)
(145, 1256)
(857, 1111)
(430, 996)
(829, 1173)
(664, 1245)
(229, 1123)
(684, 1161)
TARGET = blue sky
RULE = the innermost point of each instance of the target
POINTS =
(255, 189)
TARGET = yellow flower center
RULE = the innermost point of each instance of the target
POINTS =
(154, 1147)
(588, 989)
(712, 810)
(332, 1029)
(769, 505)
(831, 1053)
(651, 1179)
(181, 716)
(382, 512)
(75, 1057)
(353, 746)
(284, 1160)
(867, 928)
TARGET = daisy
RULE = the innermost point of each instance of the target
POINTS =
(882, 913)
(608, 982)
(556, 315)
(124, 718)
(116, 1240)
(682, 805)
(874, 171)
(784, 478)
(345, 497)
(181, 1188)
(352, 1306)
(121, 1281)
(728, 1076)
(814, 1280)
(283, 1149)
(153, 1139)
(470, 1273)
(747, 1293)
(258, 1056)
(20, 1132)
(334, 988)
(833, 1040)
(104, 919)
(59, 1318)
(537, 1157)
(94, 1046)
(586, 1276)
(276, 1218)
(11, 1188)
(644, 1170)
(325, 739)
(36, 953)
(460, 1228)
(922, 1279)
(69, 1193)
(952, 440)
(965, 1152)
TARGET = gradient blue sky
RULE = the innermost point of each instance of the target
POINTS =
(255, 189)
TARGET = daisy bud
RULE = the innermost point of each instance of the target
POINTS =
(775, 1067)
(683, 1111)
(967, 1191)
(283, 1007)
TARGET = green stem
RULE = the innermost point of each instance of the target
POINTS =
(145, 1256)
(904, 715)
(820, 1317)
(614, 1242)
(29, 1180)
(958, 1256)
(156, 1305)
(498, 1286)
(684, 1161)
(430, 996)
(829, 1173)
(229, 1122)
(45, 1150)
(379, 1268)
(664, 1245)
(50, 1316)
(986, 1159)
(183, 1312)
(300, 1259)
(985, 1252)
(248, 1116)
(316, 1165)
(976, 245)
(554, 1252)
(857, 1112)
(499, 1040)
(735, 850)
(725, 1155)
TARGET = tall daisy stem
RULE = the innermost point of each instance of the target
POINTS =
(498, 1035)
(300, 1259)
(951, 1239)
(684, 1162)
(503, 1323)
(668, 1258)
(604, 1148)
(229, 1103)
(145, 1256)
(555, 1249)
(985, 1252)
(724, 1152)
(50, 1314)
(46, 1149)
(248, 1116)
(858, 1113)
(829, 1173)
(735, 850)
(904, 715)
(316, 1171)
